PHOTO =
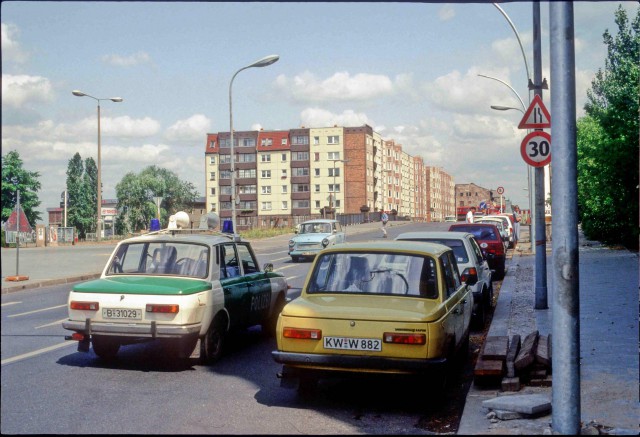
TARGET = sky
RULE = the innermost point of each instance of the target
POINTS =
(408, 70)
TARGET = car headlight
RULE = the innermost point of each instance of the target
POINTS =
(292, 243)
(325, 242)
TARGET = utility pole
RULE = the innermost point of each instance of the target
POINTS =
(564, 186)
(540, 234)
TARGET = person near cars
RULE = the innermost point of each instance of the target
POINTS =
(384, 218)
(470, 213)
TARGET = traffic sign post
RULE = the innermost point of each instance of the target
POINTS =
(500, 191)
(536, 149)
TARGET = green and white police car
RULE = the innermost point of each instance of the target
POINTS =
(184, 287)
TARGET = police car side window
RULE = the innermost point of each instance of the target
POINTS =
(249, 264)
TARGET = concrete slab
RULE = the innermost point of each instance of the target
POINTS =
(527, 404)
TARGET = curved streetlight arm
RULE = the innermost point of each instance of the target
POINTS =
(505, 83)
(504, 14)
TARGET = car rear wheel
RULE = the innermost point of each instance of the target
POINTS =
(105, 347)
(212, 344)
(478, 317)
(180, 348)
(269, 326)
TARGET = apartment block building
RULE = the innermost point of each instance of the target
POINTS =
(284, 177)
(472, 195)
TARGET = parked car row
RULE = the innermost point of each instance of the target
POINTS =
(401, 307)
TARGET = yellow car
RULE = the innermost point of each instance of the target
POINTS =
(378, 307)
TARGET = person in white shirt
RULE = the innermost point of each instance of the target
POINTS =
(384, 218)
(470, 214)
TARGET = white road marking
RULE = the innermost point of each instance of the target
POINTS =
(37, 352)
(38, 311)
(10, 303)
(57, 322)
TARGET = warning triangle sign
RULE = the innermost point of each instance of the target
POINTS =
(537, 116)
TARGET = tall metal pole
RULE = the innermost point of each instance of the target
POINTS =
(268, 60)
(564, 186)
(18, 233)
(532, 187)
(540, 234)
(99, 215)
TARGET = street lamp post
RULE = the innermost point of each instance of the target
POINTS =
(331, 195)
(268, 60)
(99, 163)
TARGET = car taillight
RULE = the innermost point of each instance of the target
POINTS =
(468, 271)
(302, 334)
(84, 306)
(162, 308)
(393, 337)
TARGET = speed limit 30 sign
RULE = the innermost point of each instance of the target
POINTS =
(536, 149)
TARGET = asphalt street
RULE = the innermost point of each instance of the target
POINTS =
(608, 325)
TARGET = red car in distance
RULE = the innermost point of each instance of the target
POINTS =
(490, 241)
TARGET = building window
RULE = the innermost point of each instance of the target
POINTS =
(333, 139)
(317, 204)
(212, 143)
(284, 142)
(334, 156)
(334, 188)
(225, 159)
(225, 190)
(265, 157)
(299, 139)
(301, 204)
(316, 141)
(213, 191)
(266, 174)
(334, 172)
(301, 188)
(247, 189)
(316, 156)
(301, 171)
(285, 189)
(316, 172)
(225, 174)
(300, 156)
(266, 142)
(245, 174)
(266, 189)
(283, 174)
(212, 159)
(246, 157)
(248, 142)
(213, 207)
(212, 176)
(284, 157)
(285, 204)
(266, 206)
(316, 188)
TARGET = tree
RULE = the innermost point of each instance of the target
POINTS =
(15, 178)
(81, 188)
(607, 140)
(136, 194)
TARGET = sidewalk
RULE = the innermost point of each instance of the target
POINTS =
(608, 342)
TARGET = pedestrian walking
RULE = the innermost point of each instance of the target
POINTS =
(384, 218)
(470, 214)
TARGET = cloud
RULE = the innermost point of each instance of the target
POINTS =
(318, 117)
(446, 13)
(11, 49)
(127, 61)
(24, 90)
(194, 128)
(306, 87)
